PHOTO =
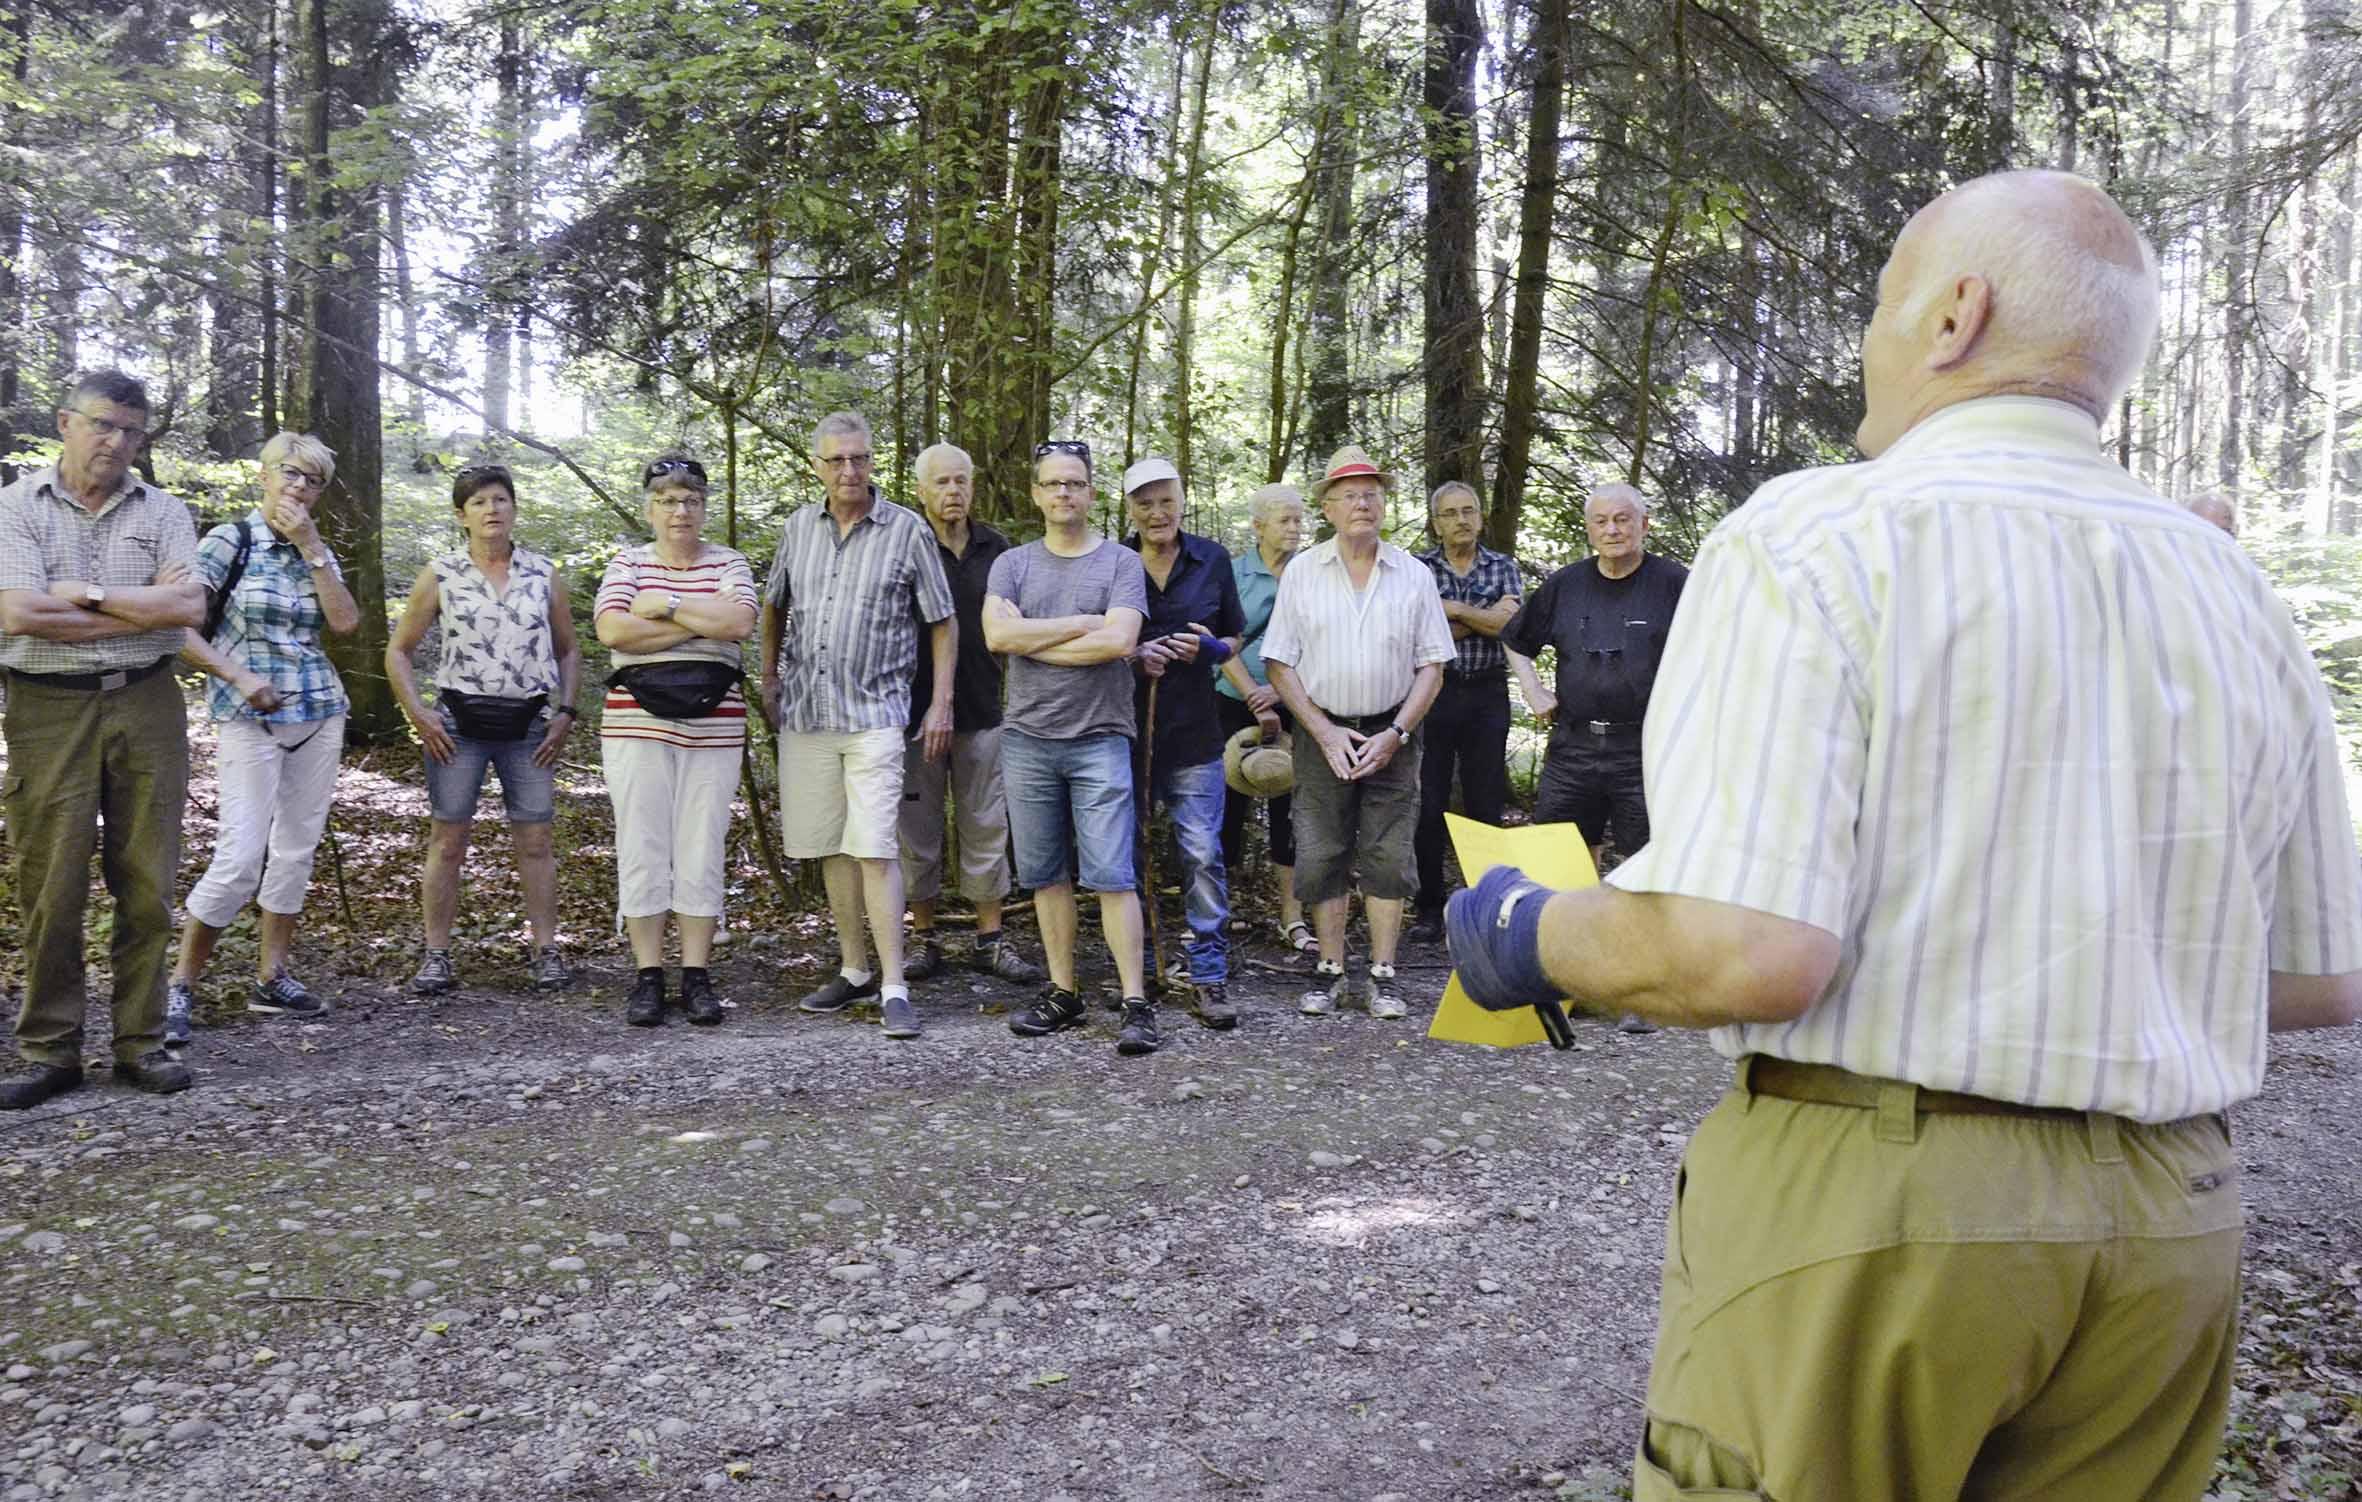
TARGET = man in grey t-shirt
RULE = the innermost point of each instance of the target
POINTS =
(1067, 611)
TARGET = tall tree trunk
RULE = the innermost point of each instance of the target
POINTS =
(19, 31)
(2238, 321)
(1275, 444)
(500, 311)
(1178, 40)
(397, 233)
(270, 253)
(1537, 207)
(1454, 324)
(1192, 249)
(1328, 325)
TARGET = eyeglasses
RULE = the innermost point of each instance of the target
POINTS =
(106, 429)
(686, 500)
(1066, 486)
(844, 461)
(296, 475)
(672, 467)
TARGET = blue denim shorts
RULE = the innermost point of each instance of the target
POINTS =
(1070, 806)
(529, 793)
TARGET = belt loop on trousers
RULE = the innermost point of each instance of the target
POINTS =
(1745, 1083)
(2107, 1142)
(1898, 1112)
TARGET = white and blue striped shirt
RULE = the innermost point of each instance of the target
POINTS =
(2041, 749)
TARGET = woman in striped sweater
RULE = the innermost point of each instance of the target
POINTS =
(672, 613)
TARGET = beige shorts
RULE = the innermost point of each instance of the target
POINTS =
(840, 793)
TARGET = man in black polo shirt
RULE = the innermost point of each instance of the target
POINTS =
(968, 765)
(1606, 617)
(1192, 593)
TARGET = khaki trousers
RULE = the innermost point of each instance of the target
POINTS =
(1872, 1303)
(972, 776)
(104, 777)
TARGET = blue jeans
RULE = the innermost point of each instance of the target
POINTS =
(528, 792)
(1194, 795)
(1069, 799)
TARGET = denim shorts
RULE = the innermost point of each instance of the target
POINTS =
(529, 793)
(1070, 800)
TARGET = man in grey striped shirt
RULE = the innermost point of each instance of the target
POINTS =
(855, 576)
(1998, 816)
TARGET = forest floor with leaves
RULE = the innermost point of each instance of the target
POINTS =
(501, 1245)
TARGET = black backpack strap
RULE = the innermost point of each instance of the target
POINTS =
(218, 603)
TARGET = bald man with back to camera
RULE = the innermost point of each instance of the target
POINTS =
(1998, 815)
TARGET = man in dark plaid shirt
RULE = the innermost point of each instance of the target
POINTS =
(1468, 729)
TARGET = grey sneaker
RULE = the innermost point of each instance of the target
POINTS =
(901, 1019)
(1385, 1003)
(284, 996)
(550, 972)
(435, 974)
(179, 999)
(1213, 1006)
(1322, 1001)
(837, 993)
(1000, 958)
(1633, 1022)
(925, 960)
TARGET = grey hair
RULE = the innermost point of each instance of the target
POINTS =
(1265, 503)
(109, 386)
(839, 423)
(937, 457)
(1617, 490)
(2051, 288)
(305, 450)
(1450, 487)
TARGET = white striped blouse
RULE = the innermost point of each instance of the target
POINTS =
(1356, 650)
(717, 571)
(2042, 749)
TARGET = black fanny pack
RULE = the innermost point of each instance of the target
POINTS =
(677, 690)
(489, 717)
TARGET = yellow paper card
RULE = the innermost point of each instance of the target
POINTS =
(1553, 854)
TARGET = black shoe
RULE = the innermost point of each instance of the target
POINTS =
(1427, 927)
(1633, 1022)
(156, 1072)
(646, 1006)
(901, 1019)
(1138, 1033)
(839, 993)
(36, 1083)
(1055, 1012)
(280, 996)
(925, 959)
(699, 998)
(1211, 1006)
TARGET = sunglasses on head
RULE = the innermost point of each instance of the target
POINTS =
(662, 467)
(1072, 447)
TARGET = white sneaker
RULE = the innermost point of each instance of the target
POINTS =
(1323, 1002)
(1385, 1005)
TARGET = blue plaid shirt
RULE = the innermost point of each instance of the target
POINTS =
(1491, 579)
(272, 626)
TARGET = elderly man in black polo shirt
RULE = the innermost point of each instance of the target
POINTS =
(1192, 596)
(970, 771)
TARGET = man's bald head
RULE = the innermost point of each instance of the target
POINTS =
(2216, 507)
(2030, 282)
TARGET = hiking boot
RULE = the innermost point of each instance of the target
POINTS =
(436, 974)
(1427, 927)
(1331, 987)
(280, 996)
(925, 961)
(1212, 1006)
(1055, 1012)
(1138, 1033)
(645, 1007)
(1000, 958)
(1633, 1022)
(699, 999)
(901, 1019)
(36, 1083)
(837, 993)
(179, 1000)
(156, 1072)
(1385, 1002)
(550, 972)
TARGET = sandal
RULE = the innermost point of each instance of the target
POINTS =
(1299, 937)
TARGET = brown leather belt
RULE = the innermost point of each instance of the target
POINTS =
(1828, 1085)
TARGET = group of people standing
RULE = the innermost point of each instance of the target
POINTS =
(916, 664)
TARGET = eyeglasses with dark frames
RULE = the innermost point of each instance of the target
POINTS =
(106, 429)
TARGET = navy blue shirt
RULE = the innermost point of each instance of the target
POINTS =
(1203, 589)
(976, 673)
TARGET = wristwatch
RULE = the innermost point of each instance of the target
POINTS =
(317, 560)
(1400, 734)
(673, 607)
(568, 710)
(95, 596)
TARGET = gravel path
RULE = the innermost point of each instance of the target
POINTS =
(504, 1247)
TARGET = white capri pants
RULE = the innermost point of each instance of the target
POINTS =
(276, 784)
(672, 824)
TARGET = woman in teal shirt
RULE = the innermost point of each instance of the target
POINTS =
(1277, 516)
